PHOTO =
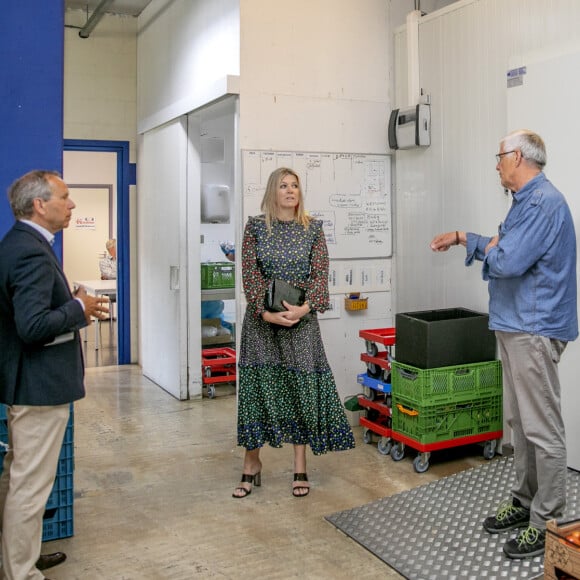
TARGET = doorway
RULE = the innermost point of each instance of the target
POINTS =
(123, 175)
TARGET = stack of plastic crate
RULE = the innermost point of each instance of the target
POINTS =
(446, 407)
(446, 384)
(376, 382)
(58, 515)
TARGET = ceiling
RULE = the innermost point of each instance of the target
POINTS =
(127, 7)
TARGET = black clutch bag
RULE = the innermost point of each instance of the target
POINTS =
(279, 290)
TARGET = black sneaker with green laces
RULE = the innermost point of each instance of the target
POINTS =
(510, 514)
(528, 543)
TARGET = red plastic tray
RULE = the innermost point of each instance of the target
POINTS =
(218, 357)
(384, 336)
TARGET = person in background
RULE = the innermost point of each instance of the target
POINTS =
(530, 267)
(108, 265)
(287, 392)
(41, 364)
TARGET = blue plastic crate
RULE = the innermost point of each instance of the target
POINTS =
(58, 517)
(62, 493)
(57, 523)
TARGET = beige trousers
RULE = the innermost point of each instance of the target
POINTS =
(35, 436)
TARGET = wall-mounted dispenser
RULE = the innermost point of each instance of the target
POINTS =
(410, 127)
(215, 204)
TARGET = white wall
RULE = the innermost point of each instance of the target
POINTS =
(218, 124)
(186, 50)
(100, 79)
(314, 76)
(83, 248)
(100, 93)
(465, 53)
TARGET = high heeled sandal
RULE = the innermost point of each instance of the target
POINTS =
(300, 488)
(255, 479)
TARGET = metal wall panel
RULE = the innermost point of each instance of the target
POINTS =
(465, 52)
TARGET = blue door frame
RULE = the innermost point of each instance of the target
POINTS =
(126, 176)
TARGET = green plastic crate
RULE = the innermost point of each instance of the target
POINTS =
(446, 384)
(216, 275)
(446, 422)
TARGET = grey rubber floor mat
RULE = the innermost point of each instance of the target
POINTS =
(434, 531)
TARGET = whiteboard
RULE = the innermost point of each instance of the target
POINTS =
(545, 100)
(349, 192)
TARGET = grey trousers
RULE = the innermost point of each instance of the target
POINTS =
(532, 407)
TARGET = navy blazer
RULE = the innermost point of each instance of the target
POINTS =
(36, 306)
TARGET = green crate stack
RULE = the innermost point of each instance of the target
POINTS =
(217, 275)
(446, 385)
(437, 423)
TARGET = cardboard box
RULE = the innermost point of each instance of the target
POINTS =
(218, 338)
(442, 338)
(562, 556)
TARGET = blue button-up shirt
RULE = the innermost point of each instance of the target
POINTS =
(531, 272)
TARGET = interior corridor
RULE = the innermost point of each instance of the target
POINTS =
(153, 482)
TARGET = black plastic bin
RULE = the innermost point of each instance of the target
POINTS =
(441, 338)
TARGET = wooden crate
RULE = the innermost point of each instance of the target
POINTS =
(562, 557)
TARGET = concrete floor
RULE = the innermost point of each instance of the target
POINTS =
(153, 483)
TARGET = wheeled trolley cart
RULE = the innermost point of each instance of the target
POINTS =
(421, 461)
(218, 367)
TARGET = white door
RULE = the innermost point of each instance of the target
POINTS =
(546, 103)
(162, 242)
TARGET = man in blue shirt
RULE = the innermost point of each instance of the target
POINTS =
(530, 267)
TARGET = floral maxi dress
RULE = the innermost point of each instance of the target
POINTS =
(287, 392)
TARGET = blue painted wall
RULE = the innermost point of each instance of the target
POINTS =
(31, 91)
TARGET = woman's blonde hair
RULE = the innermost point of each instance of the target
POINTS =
(270, 200)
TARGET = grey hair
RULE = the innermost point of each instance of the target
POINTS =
(530, 144)
(110, 243)
(32, 185)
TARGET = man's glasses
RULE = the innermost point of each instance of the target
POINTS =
(500, 155)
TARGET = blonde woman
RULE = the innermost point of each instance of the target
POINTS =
(287, 392)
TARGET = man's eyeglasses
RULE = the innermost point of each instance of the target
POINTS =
(500, 155)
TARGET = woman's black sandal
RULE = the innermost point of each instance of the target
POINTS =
(252, 480)
(300, 488)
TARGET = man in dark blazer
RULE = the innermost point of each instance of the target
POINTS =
(41, 364)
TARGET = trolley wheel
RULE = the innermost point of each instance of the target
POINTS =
(387, 376)
(389, 400)
(489, 449)
(385, 445)
(211, 391)
(372, 348)
(398, 451)
(371, 395)
(367, 436)
(207, 371)
(421, 463)
(374, 371)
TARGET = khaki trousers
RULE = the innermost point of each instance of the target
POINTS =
(532, 396)
(35, 436)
